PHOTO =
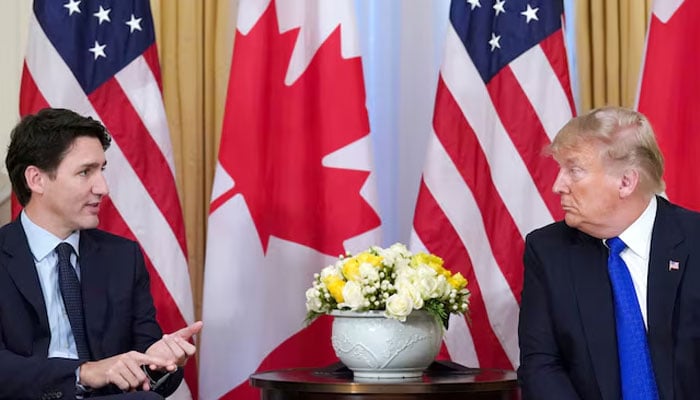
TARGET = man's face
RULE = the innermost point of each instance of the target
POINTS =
(71, 198)
(589, 191)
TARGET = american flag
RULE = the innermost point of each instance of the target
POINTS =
(503, 93)
(100, 59)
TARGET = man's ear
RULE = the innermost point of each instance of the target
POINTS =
(628, 182)
(35, 179)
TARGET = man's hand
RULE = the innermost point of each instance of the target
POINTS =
(123, 370)
(175, 348)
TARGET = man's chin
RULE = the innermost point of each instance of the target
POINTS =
(90, 222)
(572, 221)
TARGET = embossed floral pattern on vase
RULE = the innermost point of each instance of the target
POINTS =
(374, 346)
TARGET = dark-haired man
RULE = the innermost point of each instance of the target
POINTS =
(76, 314)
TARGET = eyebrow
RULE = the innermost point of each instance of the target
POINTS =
(93, 165)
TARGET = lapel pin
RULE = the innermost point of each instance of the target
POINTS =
(673, 265)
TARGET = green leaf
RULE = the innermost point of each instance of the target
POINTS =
(437, 308)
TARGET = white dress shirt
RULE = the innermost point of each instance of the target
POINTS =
(43, 244)
(637, 237)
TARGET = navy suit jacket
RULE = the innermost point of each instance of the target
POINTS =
(568, 344)
(118, 309)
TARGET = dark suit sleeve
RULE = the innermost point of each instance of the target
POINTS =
(145, 328)
(33, 377)
(541, 373)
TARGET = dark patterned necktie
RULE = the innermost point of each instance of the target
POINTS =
(72, 298)
(636, 373)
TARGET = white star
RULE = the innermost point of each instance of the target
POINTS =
(474, 3)
(103, 15)
(98, 50)
(494, 42)
(499, 7)
(530, 14)
(72, 6)
(134, 24)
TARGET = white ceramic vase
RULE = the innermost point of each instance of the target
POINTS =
(373, 346)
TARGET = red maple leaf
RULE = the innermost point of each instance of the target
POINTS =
(275, 136)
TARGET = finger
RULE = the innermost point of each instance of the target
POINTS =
(153, 362)
(189, 331)
(133, 373)
(174, 343)
(188, 348)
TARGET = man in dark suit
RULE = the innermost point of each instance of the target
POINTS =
(571, 339)
(76, 314)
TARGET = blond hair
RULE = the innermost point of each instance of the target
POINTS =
(626, 138)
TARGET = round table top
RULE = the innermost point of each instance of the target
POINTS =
(441, 377)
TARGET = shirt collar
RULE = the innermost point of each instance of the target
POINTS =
(43, 242)
(638, 235)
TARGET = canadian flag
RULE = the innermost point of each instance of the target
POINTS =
(669, 94)
(293, 189)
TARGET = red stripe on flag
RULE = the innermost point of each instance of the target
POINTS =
(553, 47)
(30, 98)
(167, 312)
(141, 151)
(527, 133)
(151, 57)
(431, 222)
(460, 142)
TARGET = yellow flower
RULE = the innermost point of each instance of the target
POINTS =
(335, 286)
(370, 258)
(431, 260)
(351, 267)
(457, 281)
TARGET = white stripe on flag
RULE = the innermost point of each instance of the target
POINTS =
(542, 87)
(460, 343)
(141, 88)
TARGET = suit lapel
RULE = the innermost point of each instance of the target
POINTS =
(22, 270)
(667, 246)
(594, 298)
(94, 284)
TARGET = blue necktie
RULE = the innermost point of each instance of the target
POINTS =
(72, 298)
(636, 373)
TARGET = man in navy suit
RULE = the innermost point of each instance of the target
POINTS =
(55, 161)
(610, 172)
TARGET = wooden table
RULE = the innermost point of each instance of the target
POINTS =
(443, 380)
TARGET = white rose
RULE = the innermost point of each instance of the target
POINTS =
(313, 300)
(331, 270)
(352, 296)
(398, 306)
(444, 287)
(427, 282)
(405, 287)
(369, 272)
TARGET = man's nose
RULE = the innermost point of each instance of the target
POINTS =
(100, 186)
(559, 185)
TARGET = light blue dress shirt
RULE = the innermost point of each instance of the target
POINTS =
(43, 246)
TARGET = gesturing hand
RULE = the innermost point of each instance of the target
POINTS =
(123, 370)
(175, 348)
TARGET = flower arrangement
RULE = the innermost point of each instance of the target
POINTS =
(390, 279)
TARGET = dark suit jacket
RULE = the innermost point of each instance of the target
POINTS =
(567, 333)
(118, 309)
